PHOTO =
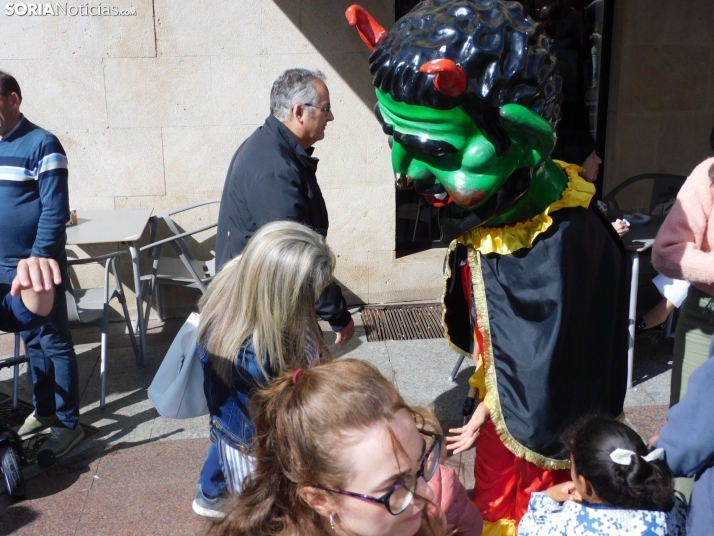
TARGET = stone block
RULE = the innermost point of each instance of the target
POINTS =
(355, 156)
(355, 151)
(114, 162)
(158, 92)
(80, 36)
(318, 25)
(52, 93)
(208, 28)
(360, 219)
(683, 141)
(392, 280)
(196, 159)
(352, 274)
(710, 89)
(282, 18)
(688, 22)
(663, 78)
(22, 38)
(241, 89)
(644, 22)
(89, 203)
(635, 147)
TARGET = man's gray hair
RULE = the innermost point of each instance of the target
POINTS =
(292, 87)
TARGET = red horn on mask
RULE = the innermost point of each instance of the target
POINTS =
(450, 78)
(369, 29)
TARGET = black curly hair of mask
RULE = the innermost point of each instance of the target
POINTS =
(641, 485)
(505, 55)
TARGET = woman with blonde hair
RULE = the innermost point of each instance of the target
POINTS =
(257, 317)
(338, 451)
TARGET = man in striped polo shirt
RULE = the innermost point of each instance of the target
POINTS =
(35, 208)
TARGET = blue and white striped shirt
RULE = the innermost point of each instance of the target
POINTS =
(34, 194)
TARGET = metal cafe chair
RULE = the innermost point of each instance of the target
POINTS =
(90, 307)
(182, 270)
(664, 188)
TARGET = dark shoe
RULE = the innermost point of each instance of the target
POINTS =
(642, 329)
(61, 441)
(215, 508)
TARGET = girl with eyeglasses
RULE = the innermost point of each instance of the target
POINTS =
(338, 451)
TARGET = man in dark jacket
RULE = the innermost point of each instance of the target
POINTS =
(272, 178)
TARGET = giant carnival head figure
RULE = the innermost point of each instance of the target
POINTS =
(469, 93)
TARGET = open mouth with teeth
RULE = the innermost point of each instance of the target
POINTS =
(440, 199)
(435, 194)
(454, 219)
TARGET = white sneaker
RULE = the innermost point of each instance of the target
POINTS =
(215, 508)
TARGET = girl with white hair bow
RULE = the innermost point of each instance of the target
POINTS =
(618, 487)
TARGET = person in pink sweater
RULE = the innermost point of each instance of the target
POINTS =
(683, 250)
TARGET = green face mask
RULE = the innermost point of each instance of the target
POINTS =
(454, 165)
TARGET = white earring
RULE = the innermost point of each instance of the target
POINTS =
(332, 524)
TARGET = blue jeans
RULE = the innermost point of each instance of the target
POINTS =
(53, 363)
(211, 481)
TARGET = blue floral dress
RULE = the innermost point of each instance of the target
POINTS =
(546, 517)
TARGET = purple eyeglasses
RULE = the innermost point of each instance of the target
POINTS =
(397, 499)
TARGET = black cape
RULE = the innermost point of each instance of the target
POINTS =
(557, 324)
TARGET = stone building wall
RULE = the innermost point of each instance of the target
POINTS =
(150, 109)
(661, 108)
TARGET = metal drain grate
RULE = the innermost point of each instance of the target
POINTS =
(402, 322)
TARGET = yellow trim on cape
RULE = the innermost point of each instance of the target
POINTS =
(506, 240)
(492, 400)
(502, 527)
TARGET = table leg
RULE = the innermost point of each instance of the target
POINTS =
(141, 358)
(633, 315)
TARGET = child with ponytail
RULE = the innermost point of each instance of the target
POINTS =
(618, 487)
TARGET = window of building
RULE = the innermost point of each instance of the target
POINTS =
(580, 35)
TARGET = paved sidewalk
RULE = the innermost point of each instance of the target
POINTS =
(137, 474)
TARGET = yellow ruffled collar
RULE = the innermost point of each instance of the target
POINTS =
(506, 240)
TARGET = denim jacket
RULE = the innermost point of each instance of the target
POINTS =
(229, 406)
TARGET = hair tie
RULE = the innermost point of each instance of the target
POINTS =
(295, 375)
(624, 457)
